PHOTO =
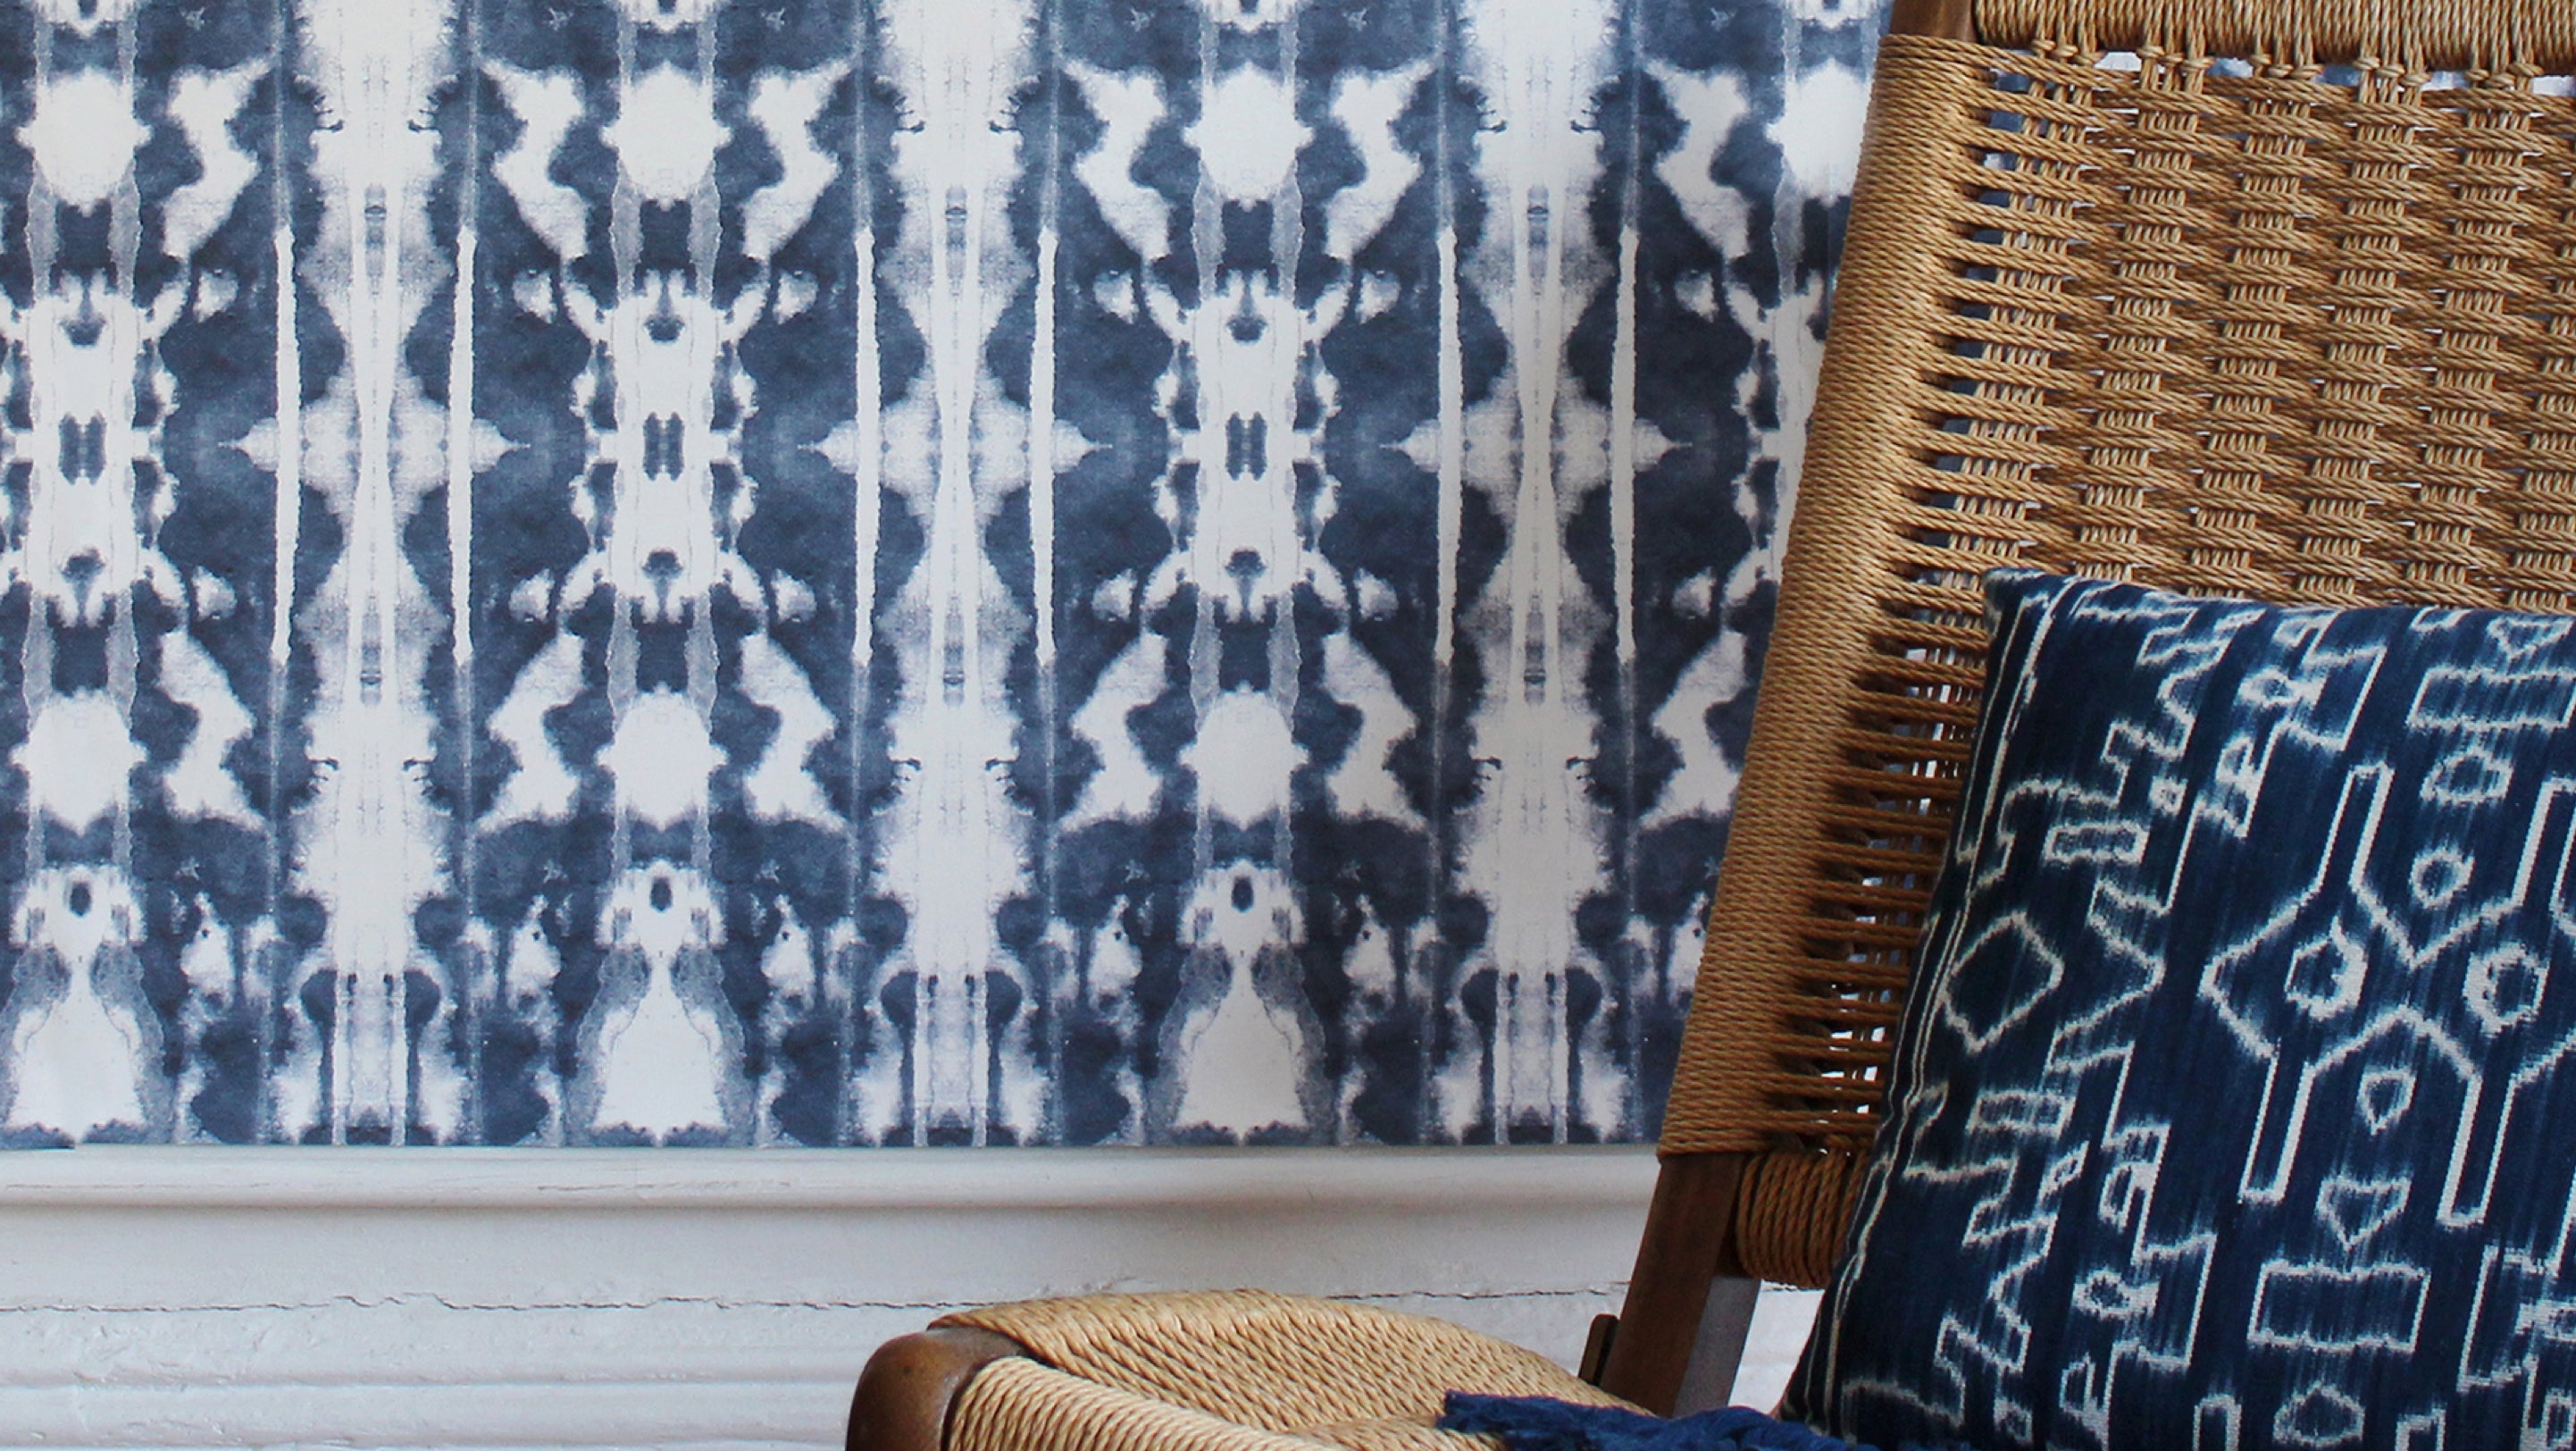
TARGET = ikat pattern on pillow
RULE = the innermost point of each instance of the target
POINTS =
(2234, 1107)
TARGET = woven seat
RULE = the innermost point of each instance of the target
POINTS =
(2248, 297)
(1233, 1371)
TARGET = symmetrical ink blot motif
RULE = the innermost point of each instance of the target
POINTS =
(2239, 1098)
(870, 571)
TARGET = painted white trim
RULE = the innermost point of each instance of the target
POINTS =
(1323, 1180)
(421, 1298)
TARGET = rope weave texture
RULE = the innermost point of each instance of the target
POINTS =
(1235, 1370)
(2453, 34)
(2274, 329)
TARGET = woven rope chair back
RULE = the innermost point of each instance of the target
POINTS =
(2241, 297)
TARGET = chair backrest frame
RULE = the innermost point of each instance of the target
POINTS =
(2228, 296)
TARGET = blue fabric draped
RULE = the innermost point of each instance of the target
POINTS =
(1532, 1423)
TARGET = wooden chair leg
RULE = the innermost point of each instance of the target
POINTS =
(909, 1390)
(1717, 1351)
(1688, 1246)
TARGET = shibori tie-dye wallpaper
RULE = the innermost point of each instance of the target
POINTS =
(887, 571)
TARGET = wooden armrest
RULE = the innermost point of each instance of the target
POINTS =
(910, 1387)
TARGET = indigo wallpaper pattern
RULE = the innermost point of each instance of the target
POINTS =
(887, 571)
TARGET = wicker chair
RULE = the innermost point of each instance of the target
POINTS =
(2279, 301)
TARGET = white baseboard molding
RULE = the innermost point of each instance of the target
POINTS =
(699, 1298)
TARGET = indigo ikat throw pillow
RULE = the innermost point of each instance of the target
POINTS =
(2235, 1107)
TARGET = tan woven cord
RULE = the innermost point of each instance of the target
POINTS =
(1785, 1198)
(1278, 1364)
(1020, 1405)
(2452, 34)
(2223, 329)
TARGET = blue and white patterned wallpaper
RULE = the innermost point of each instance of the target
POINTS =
(887, 571)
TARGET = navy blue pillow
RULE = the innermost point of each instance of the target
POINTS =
(2234, 1106)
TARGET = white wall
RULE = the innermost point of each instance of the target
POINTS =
(418, 1298)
